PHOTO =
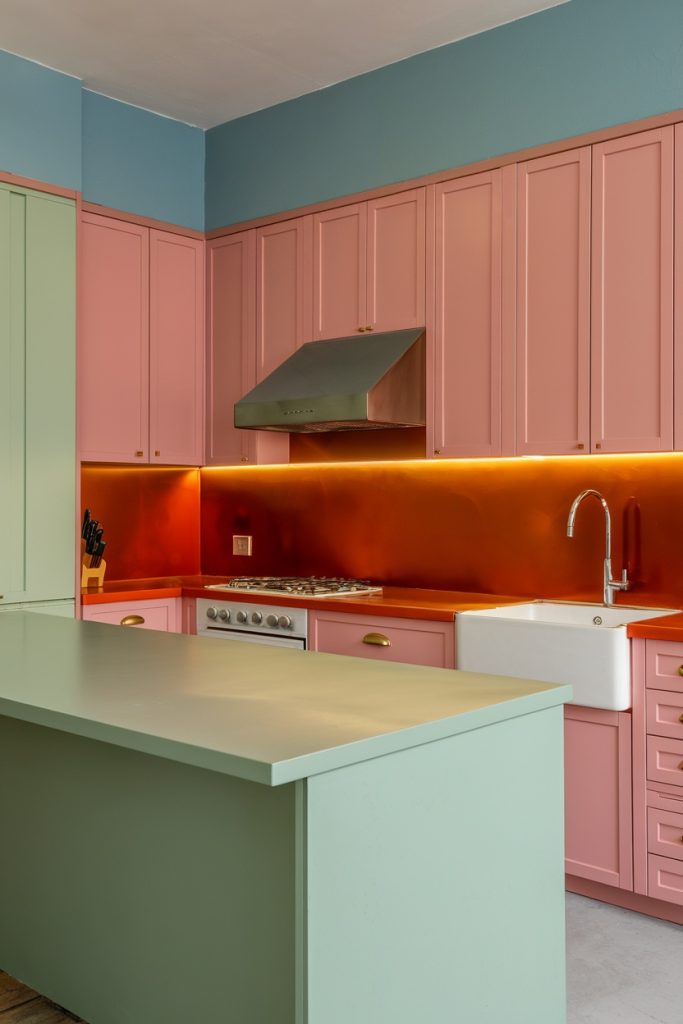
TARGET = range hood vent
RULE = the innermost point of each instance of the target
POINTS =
(345, 384)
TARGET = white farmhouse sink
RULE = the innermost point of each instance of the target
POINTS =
(584, 645)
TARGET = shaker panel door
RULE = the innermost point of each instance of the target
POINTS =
(232, 344)
(339, 272)
(283, 309)
(396, 261)
(553, 304)
(598, 816)
(176, 349)
(678, 294)
(113, 391)
(632, 293)
(466, 371)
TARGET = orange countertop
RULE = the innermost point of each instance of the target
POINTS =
(667, 627)
(395, 602)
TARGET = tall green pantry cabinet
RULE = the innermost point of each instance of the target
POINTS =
(37, 400)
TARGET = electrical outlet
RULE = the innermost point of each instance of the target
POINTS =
(241, 544)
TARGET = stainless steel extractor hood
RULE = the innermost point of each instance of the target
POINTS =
(345, 384)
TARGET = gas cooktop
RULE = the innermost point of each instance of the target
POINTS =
(297, 586)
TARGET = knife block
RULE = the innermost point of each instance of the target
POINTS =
(92, 577)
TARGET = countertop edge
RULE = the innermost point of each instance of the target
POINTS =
(297, 768)
(419, 735)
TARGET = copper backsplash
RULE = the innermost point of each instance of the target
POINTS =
(495, 526)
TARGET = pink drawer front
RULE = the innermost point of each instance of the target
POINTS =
(665, 760)
(665, 714)
(413, 641)
(664, 665)
(665, 833)
(163, 614)
(665, 879)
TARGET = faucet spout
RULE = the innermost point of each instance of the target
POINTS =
(610, 585)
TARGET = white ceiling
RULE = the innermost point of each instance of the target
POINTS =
(208, 61)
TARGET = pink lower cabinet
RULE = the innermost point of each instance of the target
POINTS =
(163, 614)
(416, 641)
(598, 817)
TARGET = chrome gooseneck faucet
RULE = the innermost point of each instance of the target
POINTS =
(609, 585)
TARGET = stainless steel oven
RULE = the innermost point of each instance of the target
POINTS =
(267, 624)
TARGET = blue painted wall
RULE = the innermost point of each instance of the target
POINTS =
(40, 122)
(53, 130)
(143, 163)
(585, 65)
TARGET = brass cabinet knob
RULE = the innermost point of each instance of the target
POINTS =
(437, 451)
(139, 455)
(157, 451)
(598, 444)
(244, 459)
(369, 328)
(581, 445)
(680, 719)
(377, 640)
(680, 767)
(680, 670)
(132, 620)
(361, 329)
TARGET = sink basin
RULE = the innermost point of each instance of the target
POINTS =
(584, 645)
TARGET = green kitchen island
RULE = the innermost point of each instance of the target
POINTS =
(223, 833)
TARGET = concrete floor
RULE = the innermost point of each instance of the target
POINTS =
(622, 968)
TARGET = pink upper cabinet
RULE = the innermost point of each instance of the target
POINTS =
(465, 372)
(632, 293)
(113, 377)
(283, 311)
(369, 266)
(553, 304)
(176, 349)
(396, 261)
(231, 266)
(339, 271)
(678, 323)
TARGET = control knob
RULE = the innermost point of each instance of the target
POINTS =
(241, 616)
(285, 622)
(271, 621)
(256, 618)
(224, 615)
(211, 613)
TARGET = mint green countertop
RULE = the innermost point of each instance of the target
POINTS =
(266, 714)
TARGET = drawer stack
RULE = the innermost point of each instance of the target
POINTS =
(664, 769)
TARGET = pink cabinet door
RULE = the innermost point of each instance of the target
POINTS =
(396, 261)
(339, 272)
(678, 296)
(553, 304)
(176, 357)
(414, 641)
(598, 817)
(465, 386)
(113, 377)
(283, 308)
(632, 293)
(231, 356)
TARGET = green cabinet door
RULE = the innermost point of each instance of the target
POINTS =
(37, 396)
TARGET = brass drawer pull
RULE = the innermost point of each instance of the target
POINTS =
(680, 670)
(377, 640)
(132, 620)
(139, 455)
